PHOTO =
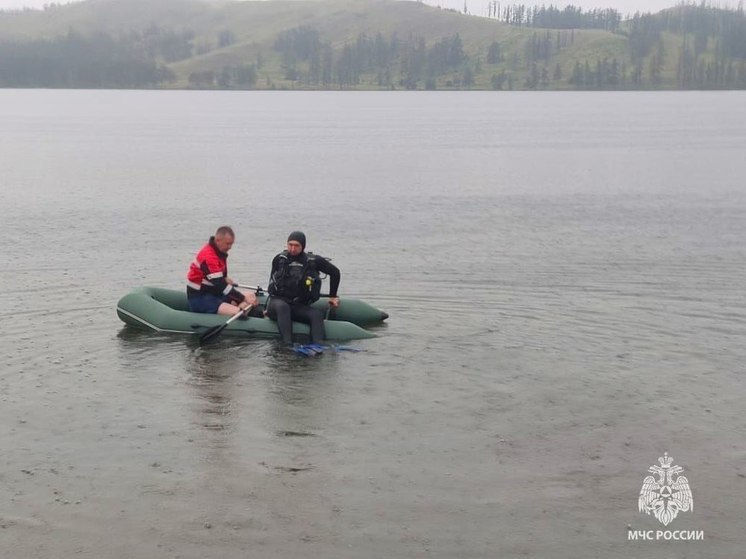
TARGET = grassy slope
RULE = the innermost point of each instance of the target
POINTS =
(256, 24)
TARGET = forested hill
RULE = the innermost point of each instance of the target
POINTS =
(368, 44)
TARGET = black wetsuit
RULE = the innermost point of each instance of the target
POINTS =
(284, 306)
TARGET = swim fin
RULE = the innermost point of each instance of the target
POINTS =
(311, 350)
(308, 350)
(321, 348)
(347, 348)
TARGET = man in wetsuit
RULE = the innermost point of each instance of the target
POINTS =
(209, 289)
(294, 284)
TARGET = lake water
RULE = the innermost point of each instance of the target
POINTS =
(565, 278)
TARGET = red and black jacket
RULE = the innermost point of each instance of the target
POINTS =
(208, 273)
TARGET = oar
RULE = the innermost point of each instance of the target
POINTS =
(215, 331)
(252, 287)
(260, 290)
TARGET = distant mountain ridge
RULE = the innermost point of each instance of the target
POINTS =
(367, 44)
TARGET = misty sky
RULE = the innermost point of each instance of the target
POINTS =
(477, 7)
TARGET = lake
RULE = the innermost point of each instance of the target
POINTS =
(564, 274)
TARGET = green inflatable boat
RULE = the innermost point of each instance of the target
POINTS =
(166, 310)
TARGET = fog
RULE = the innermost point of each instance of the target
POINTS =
(475, 7)
(479, 7)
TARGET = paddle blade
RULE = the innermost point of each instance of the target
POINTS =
(211, 334)
(214, 332)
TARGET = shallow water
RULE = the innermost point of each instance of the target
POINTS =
(564, 274)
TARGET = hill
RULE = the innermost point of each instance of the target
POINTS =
(367, 44)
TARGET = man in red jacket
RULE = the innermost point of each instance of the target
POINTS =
(209, 289)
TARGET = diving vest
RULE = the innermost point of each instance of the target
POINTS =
(296, 280)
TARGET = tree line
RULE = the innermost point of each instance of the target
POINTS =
(136, 59)
(408, 63)
(551, 17)
(711, 54)
(97, 61)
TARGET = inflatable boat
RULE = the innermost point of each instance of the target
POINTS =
(166, 310)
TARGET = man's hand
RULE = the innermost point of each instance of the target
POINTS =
(334, 302)
(250, 299)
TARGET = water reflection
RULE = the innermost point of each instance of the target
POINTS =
(211, 374)
(147, 346)
(214, 373)
(259, 385)
(300, 384)
(261, 403)
(261, 389)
